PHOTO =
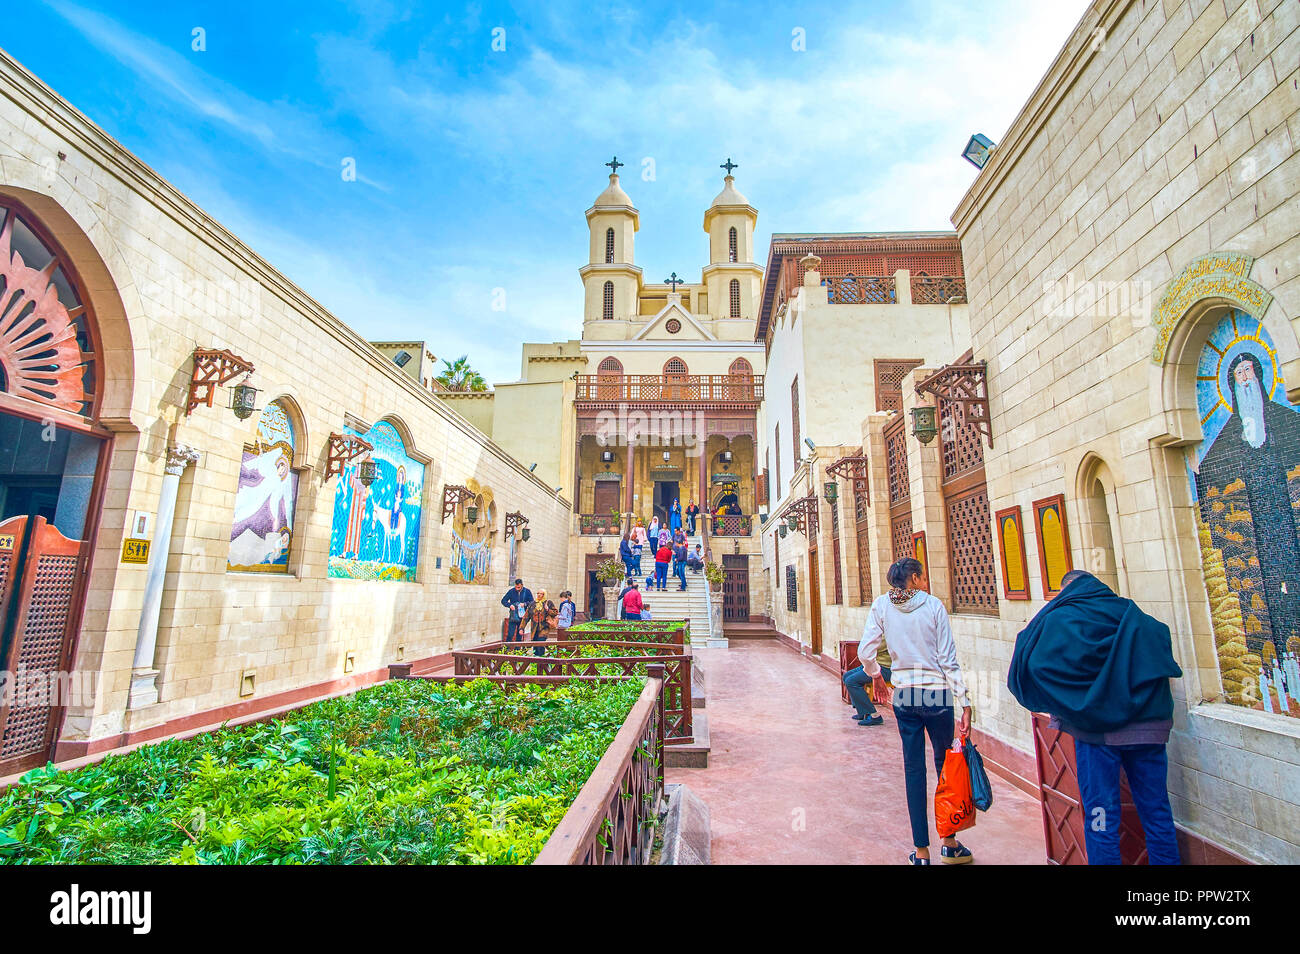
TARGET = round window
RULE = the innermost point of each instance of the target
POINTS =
(673, 326)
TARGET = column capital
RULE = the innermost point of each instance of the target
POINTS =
(180, 456)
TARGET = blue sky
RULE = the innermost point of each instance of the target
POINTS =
(474, 166)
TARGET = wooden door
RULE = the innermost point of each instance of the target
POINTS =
(814, 602)
(606, 498)
(36, 638)
(735, 588)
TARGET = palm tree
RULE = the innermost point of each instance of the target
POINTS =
(459, 376)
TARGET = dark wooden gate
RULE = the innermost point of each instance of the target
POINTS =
(40, 571)
(1062, 806)
(606, 497)
(735, 588)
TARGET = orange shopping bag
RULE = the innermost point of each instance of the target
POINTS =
(954, 806)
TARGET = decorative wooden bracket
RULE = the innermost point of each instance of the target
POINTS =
(805, 511)
(514, 521)
(213, 368)
(452, 496)
(966, 387)
(342, 449)
(853, 468)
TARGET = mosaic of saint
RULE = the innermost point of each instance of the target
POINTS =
(1246, 477)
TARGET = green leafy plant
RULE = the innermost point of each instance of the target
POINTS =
(611, 572)
(715, 575)
(408, 772)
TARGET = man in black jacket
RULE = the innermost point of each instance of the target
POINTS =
(516, 602)
(1102, 667)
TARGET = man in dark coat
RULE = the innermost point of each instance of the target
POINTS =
(1102, 667)
(516, 602)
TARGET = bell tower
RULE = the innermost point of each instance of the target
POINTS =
(611, 281)
(732, 277)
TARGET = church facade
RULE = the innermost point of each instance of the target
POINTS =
(658, 401)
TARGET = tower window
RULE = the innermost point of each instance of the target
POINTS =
(609, 301)
(735, 298)
(609, 246)
(731, 245)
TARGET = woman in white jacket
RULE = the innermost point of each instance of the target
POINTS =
(927, 682)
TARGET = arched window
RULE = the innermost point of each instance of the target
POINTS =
(261, 534)
(608, 311)
(48, 348)
(676, 379)
(741, 368)
(741, 385)
(731, 245)
(735, 298)
(609, 246)
(609, 379)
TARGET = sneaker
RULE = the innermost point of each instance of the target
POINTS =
(871, 720)
(913, 860)
(956, 856)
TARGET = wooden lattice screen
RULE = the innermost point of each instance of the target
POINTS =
(791, 590)
(862, 519)
(835, 553)
(900, 489)
(966, 508)
(889, 381)
(794, 418)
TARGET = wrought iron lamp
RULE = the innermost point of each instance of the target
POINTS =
(830, 491)
(725, 457)
(607, 457)
(368, 471)
(977, 150)
(525, 534)
(783, 530)
(736, 547)
(600, 545)
(792, 522)
(925, 423)
(243, 400)
(471, 514)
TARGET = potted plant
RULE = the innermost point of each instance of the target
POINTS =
(715, 575)
(610, 573)
(615, 521)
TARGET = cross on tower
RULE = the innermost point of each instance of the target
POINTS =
(729, 165)
(674, 281)
(614, 164)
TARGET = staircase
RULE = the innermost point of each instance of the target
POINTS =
(673, 603)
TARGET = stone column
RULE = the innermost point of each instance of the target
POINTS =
(144, 677)
(630, 476)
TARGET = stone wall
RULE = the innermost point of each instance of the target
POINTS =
(1164, 131)
(164, 279)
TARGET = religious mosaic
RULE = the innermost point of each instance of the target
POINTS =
(471, 538)
(262, 532)
(376, 530)
(1245, 475)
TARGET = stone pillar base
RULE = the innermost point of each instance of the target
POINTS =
(144, 689)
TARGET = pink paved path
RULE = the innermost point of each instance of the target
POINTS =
(785, 747)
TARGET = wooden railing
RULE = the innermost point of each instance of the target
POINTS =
(611, 822)
(851, 290)
(938, 290)
(698, 388)
(492, 659)
(731, 525)
(599, 524)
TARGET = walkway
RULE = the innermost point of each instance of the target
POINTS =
(786, 751)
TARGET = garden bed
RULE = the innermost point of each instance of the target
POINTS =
(655, 631)
(410, 771)
(590, 659)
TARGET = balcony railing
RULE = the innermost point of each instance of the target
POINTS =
(660, 388)
(938, 289)
(599, 524)
(926, 290)
(851, 290)
(731, 525)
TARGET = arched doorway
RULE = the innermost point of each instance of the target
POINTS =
(53, 457)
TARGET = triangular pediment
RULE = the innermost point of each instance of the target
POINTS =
(657, 328)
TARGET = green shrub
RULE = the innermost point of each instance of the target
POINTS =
(408, 772)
